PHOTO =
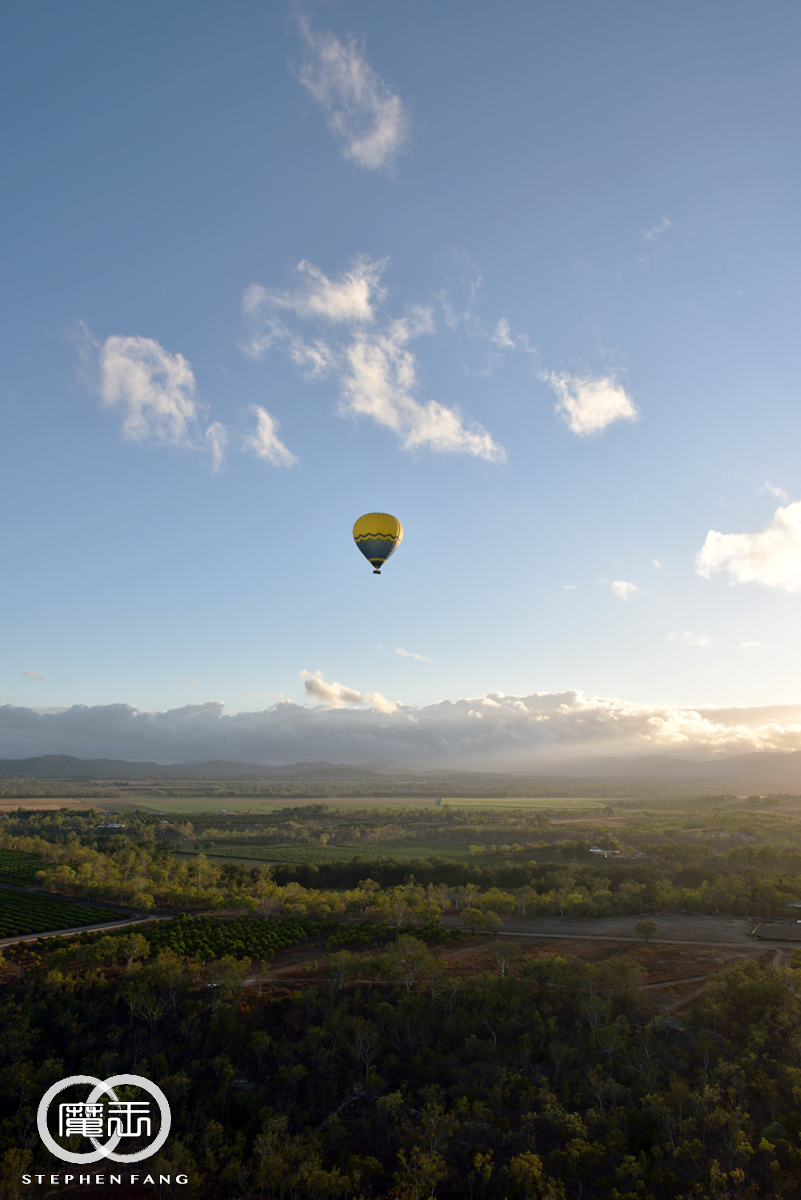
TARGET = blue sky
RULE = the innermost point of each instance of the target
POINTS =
(547, 316)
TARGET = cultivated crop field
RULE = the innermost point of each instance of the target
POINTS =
(217, 808)
(244, 852)
(548, 803)
(18, 867)
(22, 913)
(245, 937)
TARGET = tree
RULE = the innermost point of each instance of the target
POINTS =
(132, 947)
(646, 929)
(366, 1042)
(405, 959)
(506, 954)
(341, 966)
(472, 919)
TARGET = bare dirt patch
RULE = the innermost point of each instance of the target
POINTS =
(50, 804)
(662, 964)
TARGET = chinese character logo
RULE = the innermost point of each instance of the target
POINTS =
(104, 1114)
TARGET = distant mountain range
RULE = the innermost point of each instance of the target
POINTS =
(764, 766)
(64, 766)
(765, 769)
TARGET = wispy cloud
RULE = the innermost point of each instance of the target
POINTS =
(359, 106)
(657, 564)
(778, 492)
(216, 439)
(411, 654)
(353, 297)
(155, 390)
(650, 235)
(34, 675)
(749, 645)
(156, 393)
(569, 587)
(502, 336)
(686, 638)
(368, 353)
(64, 679)
(339, 696)
(772, 557)
(265, 442)
(588, 405)
(621, 588)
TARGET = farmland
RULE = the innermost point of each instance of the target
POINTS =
(20, 868)
(203, 939)
(588, 804)
(24, 913)
(243, 851)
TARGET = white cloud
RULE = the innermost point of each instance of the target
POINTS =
(621, 588)
(371, 359)
(772, 557)
(216, 437)
(686, 638)
(502, 335)
(657, 563)
(589, 404)
(513, 732)
(358, 105)
(352, 297)
(569, 587)
(650, 235)
(381, 703)
(749, 645)
(155, 389)
(265, 442)
(34, 675)
(330, 693)
(338, 696)
(778, 492)
(411, 654)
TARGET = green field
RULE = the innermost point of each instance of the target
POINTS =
(242, 852)
(18, 867)
(550, 803)
(22, 913)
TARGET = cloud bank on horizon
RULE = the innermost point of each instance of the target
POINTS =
(495, 731)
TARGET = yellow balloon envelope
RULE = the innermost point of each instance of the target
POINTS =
(378, 536)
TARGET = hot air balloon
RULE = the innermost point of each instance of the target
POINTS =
(377, 535)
